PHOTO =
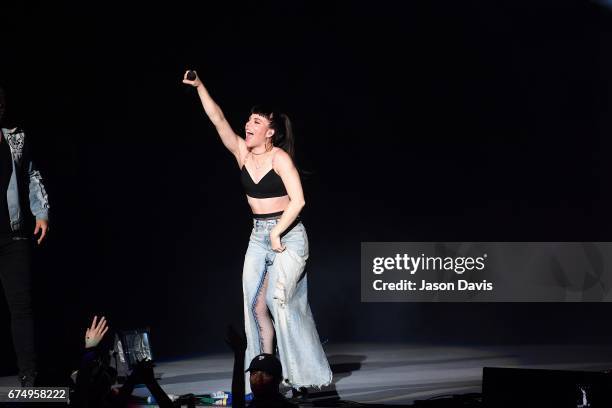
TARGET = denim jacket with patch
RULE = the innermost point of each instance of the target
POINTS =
(24, 176)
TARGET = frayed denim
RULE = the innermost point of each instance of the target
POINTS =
(299, 347)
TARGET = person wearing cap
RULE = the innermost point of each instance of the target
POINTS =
(265, 375)
(20, 187)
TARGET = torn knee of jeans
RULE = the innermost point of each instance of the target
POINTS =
(280, 294)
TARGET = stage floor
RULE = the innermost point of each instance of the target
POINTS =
(390, 374)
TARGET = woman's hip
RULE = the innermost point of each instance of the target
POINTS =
(294, 238)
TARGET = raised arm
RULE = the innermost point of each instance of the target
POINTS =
(238, 343)
(230, 139)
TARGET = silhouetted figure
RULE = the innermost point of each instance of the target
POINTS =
(95, 377)
(265, 377)
(20, 186)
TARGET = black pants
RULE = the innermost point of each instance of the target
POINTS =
(16, 279)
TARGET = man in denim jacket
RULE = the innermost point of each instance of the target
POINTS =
(20, 187)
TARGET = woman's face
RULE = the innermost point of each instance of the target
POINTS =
(257, 130)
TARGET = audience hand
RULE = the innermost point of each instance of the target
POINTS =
(237, 341)
(95, 333)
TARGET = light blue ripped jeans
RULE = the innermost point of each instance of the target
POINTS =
(300, 351)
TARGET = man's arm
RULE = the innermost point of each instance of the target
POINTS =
(143, 373)
(238, 344)
(238, 400)
(39, 200)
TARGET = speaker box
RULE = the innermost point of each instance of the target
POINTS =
(518, 387)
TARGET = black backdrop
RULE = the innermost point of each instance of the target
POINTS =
(428, 121)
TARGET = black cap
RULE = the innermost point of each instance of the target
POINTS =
(267, 363)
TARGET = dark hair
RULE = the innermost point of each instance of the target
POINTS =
(280, 123)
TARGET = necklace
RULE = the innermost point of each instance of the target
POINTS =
(257, 163)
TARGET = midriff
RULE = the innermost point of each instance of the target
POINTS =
(268, 205)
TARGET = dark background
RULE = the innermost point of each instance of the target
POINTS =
(425, 121)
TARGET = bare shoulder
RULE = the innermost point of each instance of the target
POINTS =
(282, 160)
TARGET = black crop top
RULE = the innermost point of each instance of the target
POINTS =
(270, 185)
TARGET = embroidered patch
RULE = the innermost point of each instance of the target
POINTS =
(16, 142)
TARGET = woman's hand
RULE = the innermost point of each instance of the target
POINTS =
(195, 83)
(275, 242)
(94, 334)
